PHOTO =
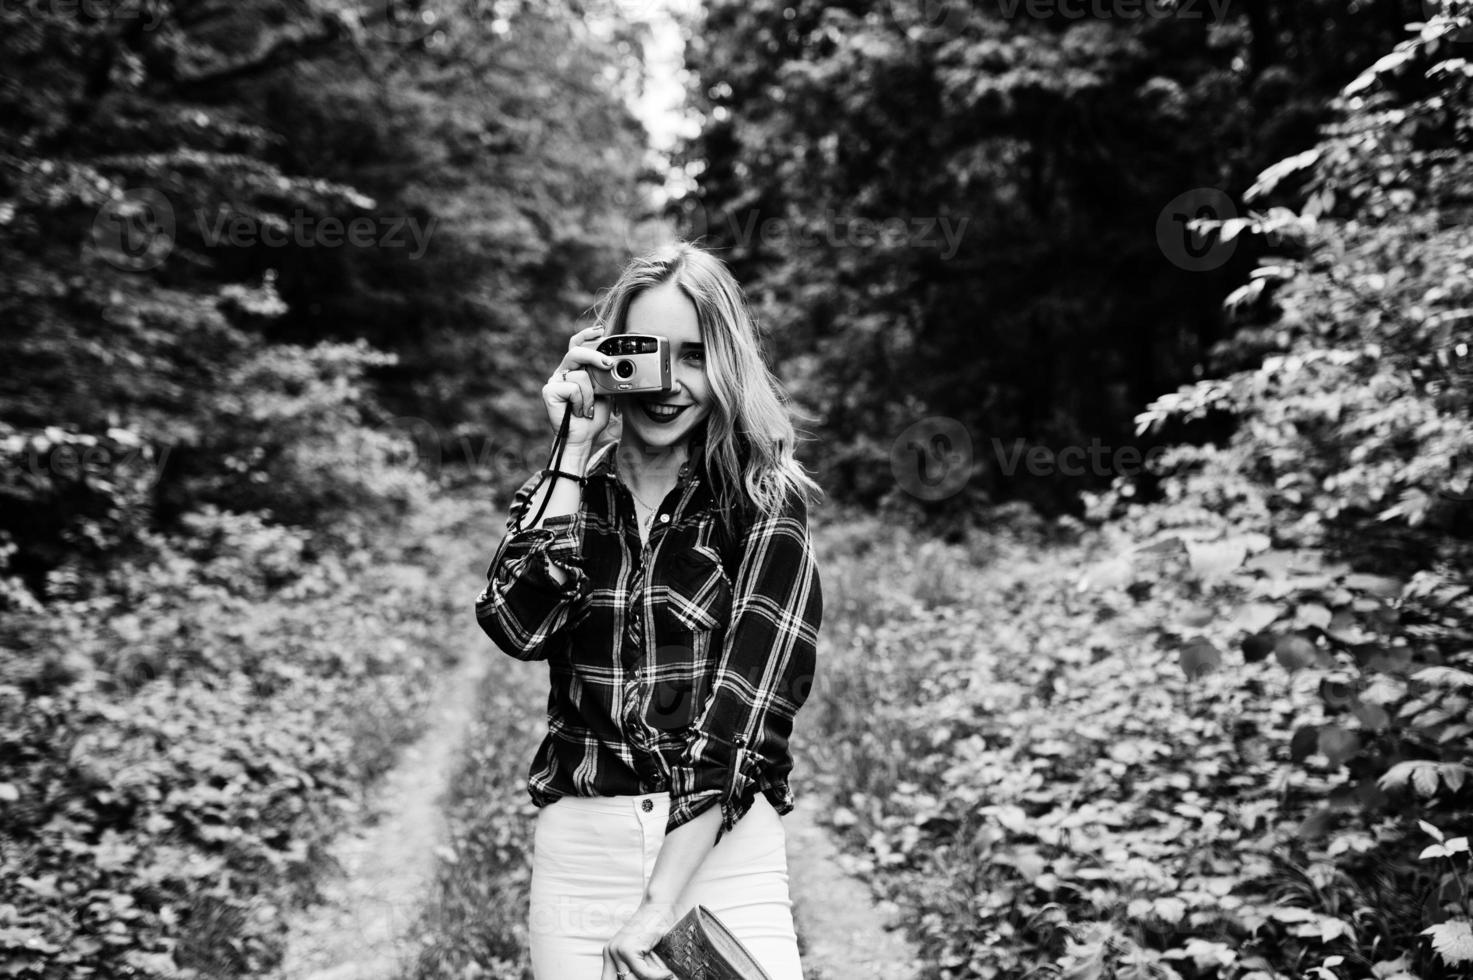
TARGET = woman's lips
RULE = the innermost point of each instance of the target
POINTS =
(662, 414)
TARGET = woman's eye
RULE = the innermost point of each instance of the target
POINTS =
(698, 356)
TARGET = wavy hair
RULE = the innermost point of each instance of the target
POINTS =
(750, 434)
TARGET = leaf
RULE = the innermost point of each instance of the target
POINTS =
(1452, 773)
(1445, 677)
(1170, 909)
(1372, 717)
(1430, 830)
(1304, 742)
(1212, 560)
(1398, 775)
(1253, 617)
(1424, 778)
(1114, 573)
(8, 793)
(1257, 647)
(1312, 614)
(1338, 745)
(1199, 656)
(1295, 652)
(1382, 586)
(1453, 940)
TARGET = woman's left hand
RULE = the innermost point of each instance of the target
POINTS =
(629, 953)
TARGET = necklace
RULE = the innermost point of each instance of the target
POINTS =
(644, 522)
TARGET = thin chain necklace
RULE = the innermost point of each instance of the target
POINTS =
(647, 522)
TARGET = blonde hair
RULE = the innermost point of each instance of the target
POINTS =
(750, 434)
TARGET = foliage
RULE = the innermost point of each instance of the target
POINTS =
(181, 740)
(1217, 752)
(841, 141)
(215, 218)
(1021, 762)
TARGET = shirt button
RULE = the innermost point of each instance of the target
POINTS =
(664, 518)
(646, 805)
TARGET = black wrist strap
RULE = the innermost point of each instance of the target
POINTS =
(580, 480)
(554, 459)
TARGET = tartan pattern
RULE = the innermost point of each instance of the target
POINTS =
(668, 671)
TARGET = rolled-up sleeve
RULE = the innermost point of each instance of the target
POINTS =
(524, 606)
(763, 674)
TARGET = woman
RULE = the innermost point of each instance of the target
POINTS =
(671, 587)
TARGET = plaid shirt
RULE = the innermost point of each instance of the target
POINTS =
(670, 670)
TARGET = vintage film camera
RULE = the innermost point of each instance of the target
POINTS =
(641, 364)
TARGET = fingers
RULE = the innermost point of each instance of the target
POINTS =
(579, 388)
(574, 370)
(654, 968)
(623, 962)
(588, 335)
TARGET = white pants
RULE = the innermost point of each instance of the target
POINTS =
(592, 857)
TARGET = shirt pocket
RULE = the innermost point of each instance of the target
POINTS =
(697, 591)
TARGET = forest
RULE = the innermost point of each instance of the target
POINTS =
(1129, 339)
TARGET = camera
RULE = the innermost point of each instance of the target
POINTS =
(641, 364)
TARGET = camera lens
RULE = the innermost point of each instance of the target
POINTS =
(623, 370)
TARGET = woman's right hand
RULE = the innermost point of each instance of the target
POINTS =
(571, 384)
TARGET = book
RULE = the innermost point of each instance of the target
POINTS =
(700, 947)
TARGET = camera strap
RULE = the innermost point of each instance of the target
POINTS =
(554, 464)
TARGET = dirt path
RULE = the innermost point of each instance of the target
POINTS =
(843, 931)
(360, 930)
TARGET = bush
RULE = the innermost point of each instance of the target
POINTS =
(180, 740)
